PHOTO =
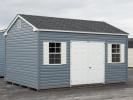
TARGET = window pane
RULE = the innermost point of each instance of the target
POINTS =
(58, 44)
(113, 50)
(113, 45)
(51, 61)
(118, 50)
(51, 56)
(51, 44)
(113, 59)
(51, 50)
(58, 50)
(113, 55)
(118, 45)
(57, 61)
(117, 59)
(118, 55)
(57, 55)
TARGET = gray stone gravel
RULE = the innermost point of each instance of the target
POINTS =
(106, 92)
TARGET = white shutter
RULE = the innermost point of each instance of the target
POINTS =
(63, 52)
(122, 46)
(45, 52)
(109, 53)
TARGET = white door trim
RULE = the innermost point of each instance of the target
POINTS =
(71, 59)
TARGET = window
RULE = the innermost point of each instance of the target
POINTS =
(18, 24)
(116, 53)
(54, 53)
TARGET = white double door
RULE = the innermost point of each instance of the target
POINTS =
(87, 62)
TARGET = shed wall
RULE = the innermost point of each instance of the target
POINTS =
(22, 55)
(59, 76)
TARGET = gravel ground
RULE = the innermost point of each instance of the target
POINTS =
(106, 92)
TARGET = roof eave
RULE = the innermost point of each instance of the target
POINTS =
(67, 31)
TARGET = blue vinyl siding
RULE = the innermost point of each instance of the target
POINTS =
(53, 76)
(22, 56)
(59, 76)
(2, 54)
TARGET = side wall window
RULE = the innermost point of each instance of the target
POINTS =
(116, 53)
(54, 53)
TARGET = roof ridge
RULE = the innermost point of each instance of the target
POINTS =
(77, 19)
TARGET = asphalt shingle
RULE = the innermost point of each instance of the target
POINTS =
(53, 23)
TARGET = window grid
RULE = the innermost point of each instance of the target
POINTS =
(116, 53)
(54, 53)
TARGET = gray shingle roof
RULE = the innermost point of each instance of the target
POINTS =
(54, 23)
(130, 43)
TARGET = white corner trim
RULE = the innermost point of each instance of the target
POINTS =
(52, 30)
(5, 33)
(18, 16)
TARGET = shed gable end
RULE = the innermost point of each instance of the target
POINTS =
(18, 25)
(16, 22)
(22, 55)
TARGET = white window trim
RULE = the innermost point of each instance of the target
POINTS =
(48, 54)
(111, 54)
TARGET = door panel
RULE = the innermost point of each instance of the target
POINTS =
(78, 71)
(87, 62)
(96, 62)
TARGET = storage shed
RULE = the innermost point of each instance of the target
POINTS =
(2, 52)
(130, 52)
(48, 52)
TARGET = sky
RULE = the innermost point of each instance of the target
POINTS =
(119, 13)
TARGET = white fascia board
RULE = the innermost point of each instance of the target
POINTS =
(34, 28)
(18, 16)
(52, 30)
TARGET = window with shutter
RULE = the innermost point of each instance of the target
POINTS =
(116, 53)
(54, 53)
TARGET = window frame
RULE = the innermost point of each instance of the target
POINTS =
(116, 52)
(55, 53)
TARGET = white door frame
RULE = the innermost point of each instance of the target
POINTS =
(71, 60)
